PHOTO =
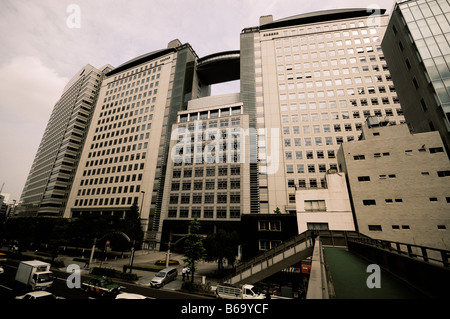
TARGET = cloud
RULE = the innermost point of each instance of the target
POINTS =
(28, 93)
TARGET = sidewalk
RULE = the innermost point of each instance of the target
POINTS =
(147, 257)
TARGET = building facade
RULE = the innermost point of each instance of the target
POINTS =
(127, 144)
(51, 176)
(208, 169)
(399, 184)
(327, 208)
(309, 82)
(416, 46)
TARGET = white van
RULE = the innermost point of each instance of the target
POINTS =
(164, 276)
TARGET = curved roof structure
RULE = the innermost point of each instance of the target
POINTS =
(219, 67)
(319, 16)
(141, 59)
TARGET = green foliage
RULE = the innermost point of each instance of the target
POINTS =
(221, 246)
(193, 249)
(79, 232)
(112, 273)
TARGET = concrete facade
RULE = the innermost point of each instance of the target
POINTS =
(208, 165)
(124, 160)
(326, 208)
(312, 80)
(399, 185)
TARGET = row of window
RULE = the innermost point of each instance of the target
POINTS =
(211, 114)
(209, 184)
(105, 201)
(309, 154)
(314, 117)
(340, 93)
(288, 58)
(308, 32)
(113, 169)
(120, 159)
(379, 228)
(372, 202)
(210, 171)
(109, 190)
(206, 198)
(311, 168)
(208, 212)
(432, 150)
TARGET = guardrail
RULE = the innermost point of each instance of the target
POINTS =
(426, 254)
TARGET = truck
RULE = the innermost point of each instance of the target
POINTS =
(246, 291)
(34, 274)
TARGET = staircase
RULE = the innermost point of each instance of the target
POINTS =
(272, 261)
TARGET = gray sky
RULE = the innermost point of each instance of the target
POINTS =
(39, 52)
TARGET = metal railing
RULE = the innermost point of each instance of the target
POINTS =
(426, 254)
(268, 258)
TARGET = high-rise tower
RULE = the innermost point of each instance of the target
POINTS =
(127, 144)
(417, 49)
(50, 179)
(309, 81)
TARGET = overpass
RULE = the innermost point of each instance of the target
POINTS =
(340, 267)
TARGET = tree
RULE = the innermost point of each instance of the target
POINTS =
(220, 246)
(193, 249)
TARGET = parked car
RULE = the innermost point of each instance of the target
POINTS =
(164, 276)
(40, 294)
(101, 285)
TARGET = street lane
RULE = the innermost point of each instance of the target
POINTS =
(9, 289)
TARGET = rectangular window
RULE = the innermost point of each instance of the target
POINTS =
(443, 173)
(359, 157)
(369, 202)
(315, 206)
(375, 227)
(363, 178)
(269, 225)
(436, 150)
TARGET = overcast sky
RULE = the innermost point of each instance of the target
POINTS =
(43, 46)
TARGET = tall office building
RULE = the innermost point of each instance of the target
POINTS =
(50, 179)
(125, 159)
(308, 83)
(417, 50)
(208, 173)
(399, 184)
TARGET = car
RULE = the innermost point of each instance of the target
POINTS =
(164, 276)
(41, 295)
(126, 295)
(102, 286)
(2, 271)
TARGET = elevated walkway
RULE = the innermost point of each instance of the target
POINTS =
(339, 267)
(285, 255)
(272, 261)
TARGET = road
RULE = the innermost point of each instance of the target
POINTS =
(9, 288)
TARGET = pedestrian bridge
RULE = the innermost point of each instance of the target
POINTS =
(348, 265)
